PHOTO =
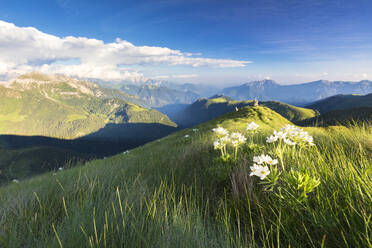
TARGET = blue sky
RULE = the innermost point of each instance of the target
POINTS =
(285, 40)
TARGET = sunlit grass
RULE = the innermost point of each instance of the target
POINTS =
(163, 195)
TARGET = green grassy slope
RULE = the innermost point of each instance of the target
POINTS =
(207, 109)
(341, 117)
(23, 163)
(164, 195)
(340, 102)
(37, 104)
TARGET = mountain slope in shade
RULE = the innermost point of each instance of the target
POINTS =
(57, 106)
(339, 102)
(26, 162)
(299, 94)
(206, 109)
(346, 117)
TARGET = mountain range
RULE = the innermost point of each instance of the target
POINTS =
(162, 94)
(158, 96)
(62, 107)
(297, 94)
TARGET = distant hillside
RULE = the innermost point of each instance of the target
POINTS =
(339, 102)
(158, 96)
(298, 94)
(341, 117)
(206, 109)
(57, 106)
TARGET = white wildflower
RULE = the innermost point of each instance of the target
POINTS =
(280, 135)
(15, 181)
(237, 139)
(291, 135)
(217, 145)
(259, 171)
(259, 159)
(195, 130)
(252, 126)
(264, 159)
(263, 172)
(225, 139)
(220, 131)
(289, 142)
(271, 161)
(271, 139)
(186, 136)
(290, 128)
(60, 168)
(255, 169)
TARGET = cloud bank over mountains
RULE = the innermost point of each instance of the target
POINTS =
(25, 49)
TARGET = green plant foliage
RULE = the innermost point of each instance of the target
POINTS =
(301, 184)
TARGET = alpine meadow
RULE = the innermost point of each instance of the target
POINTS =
(185, 124)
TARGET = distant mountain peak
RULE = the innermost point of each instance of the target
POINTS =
(262, 82)
(298, 94)
(35, 80)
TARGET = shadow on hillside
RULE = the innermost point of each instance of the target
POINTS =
(107, 141)
(25, 156)
(171, 110)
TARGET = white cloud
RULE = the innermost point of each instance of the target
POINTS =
(25, 48)
(160, 77)
(184, 76)
(365, 75)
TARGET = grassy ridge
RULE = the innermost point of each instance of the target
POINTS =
(163, 195)
(362, 115)
(207, 109)
(339, 102)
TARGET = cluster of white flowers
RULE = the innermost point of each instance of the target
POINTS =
(15, 181)
(195, 130)
(264, 159)
(260, 171)
(220, 131)
(252, 126)
(186, 136)
(260, 167)
(219, 143)
(60, 168)
(126, 152)
(224, 138)
(291, 135)
(237, 139)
